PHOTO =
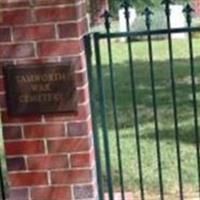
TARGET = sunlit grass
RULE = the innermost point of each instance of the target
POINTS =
(184, 103)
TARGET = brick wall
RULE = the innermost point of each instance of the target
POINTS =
(49, 157)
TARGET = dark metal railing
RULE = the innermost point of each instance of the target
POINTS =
(148, 33)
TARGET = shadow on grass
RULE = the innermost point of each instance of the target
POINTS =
(164, 104)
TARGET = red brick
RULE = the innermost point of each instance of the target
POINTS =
(77, 61)
(2, 87)
(81, 79)
(37, 60)
(72, 29)
(16, 164)
(59, 48)
(15, 17)
(55, 14)
(44, 131)
(16, 50)
(71, 176)
(24, 147)
(14, 3)
(5, 35)
(69, 145)
(82, 159)
(47, 162)
(84, 192)
(12, 132)
(78, 128)
(18, 194)
(83, 95)
(53, 2)
(36, 32)
(28, 179)
(6, 118)
(51, 193)
(2, 101)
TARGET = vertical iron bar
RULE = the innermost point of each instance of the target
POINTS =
(134, 101)
(88, 50)
(148, 13)
(175, 113)
(188, 11)
(103, 115)
(115, 113)
(194, 105)
(2, 187)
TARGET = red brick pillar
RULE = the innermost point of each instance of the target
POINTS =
(49, 157)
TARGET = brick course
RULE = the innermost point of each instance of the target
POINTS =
(50, 156)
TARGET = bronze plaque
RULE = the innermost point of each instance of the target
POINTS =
(40, 89)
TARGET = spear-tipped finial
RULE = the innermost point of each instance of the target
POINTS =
(188, 13)
(147, 13)
(167, 3)
(107, 19)
(126, 5)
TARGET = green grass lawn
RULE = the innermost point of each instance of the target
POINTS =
(146, 117)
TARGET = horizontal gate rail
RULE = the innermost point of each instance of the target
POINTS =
(145, 33)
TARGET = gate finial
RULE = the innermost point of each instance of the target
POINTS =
(126, 5)
(167, 3)
(147, 13)
(107, 20)
(188, 13)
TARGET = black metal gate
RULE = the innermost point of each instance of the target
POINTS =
(108, 116)
(3, 168)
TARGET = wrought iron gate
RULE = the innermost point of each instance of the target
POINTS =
(3, 168)
(99, 100)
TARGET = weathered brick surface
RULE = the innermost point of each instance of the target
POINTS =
(47, 162)
(82, 159)
(16, 17)
(72, 29)
(78, 128)
(24, 147)
(16, 50)
(59, 48)
(12, 132)
(69, 145)
(58, 14)
(44, 131)
(18, 194)
(71, 176)
(16, 164)
(34, 32)
(7, 119)
(84, 192)
(28, 179)
(5, 34)
(51, 193)
(50, 156)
